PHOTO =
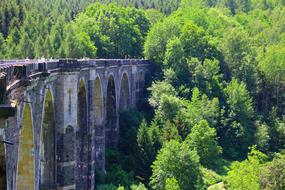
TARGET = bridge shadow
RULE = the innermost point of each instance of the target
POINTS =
(111, 116)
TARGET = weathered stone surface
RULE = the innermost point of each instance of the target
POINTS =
(65, 176)
(26, 162)
(73, 108)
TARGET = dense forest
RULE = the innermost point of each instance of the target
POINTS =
(217, 118)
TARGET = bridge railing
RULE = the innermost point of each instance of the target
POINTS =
(57, 63)
(22, 69)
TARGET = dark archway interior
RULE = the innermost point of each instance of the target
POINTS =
(111, 120)
(82, 139)
(47, 150)
(125, 94)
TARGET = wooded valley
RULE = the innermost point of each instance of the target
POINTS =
(214, 114)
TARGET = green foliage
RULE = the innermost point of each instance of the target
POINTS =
(170, 132)
(154, 16)
(192, 3)
(117, 176)
(12, 41)
(168, 108)
(219, 67)
(166, 6)
(201, 108)
(279, 133)
(203, 139)
(208, 78)
(174, 55)
(2, 46)
(235, 6)
(210, 177)
(262, 137)
(138, 187)
(127, 146)
(157, 38)
(245, 175)
(216, 70)
(107, 187)
(117, 168)
(78, 44)
(107, 31)
(147, 149)
(121, 188)
(171, 184)
(157, 90)
(272, 176)
(26, 46)
(182, 125)
(196, 43)
(117, 32)
(272, 64)
(239, 101)
(238, 126)
(218, 186)
(129, 124)
(11, 15)
(176, 160)
(175, 58)
(240, 56)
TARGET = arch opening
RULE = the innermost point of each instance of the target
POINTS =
(47, 149)
(124, 93)
(82, 139)
(111, 115)
(26, 165)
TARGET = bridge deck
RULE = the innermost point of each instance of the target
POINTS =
(23, 69)
(20, 72)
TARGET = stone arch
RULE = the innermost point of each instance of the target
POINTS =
(111, 114)
(47, 149)
(82, 138)
(125, 92)
(26, 163)
(98, 101)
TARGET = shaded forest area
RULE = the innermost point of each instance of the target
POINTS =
(218, 93)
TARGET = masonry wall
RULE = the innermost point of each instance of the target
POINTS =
(80, 120)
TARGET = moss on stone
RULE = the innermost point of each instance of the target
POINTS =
(26, 165)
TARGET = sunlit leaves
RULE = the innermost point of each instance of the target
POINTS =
(176, 160)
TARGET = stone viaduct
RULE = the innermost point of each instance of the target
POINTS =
(57, 117)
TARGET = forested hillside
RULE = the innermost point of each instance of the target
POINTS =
(33, 29)
(214, 115)
(36, 28)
